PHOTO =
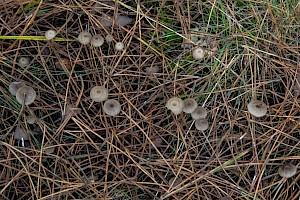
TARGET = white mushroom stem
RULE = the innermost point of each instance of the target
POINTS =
(22, 139)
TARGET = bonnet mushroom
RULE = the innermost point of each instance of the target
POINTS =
(288, 170)
(25, 95)
(198, 53)
(23, 62)
(50, 34)
(99, 93)
(84, 37)
(190, 105)
(175, 104)
(109, 38)
(199, 113)
(257, 108)
(97, 40)
(20, 133)
(119, 46)
(112, 107)
(201, 124)
(14, 86)
(30, 119)
(173, 182)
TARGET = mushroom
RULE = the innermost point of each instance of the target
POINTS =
(99, 93)
(173, 182)
(49, 149)
(97, 40)
(84, 37)
(190, 105)
(30, 119)
(23, 62)
(119, 46)
(112, 107)
(157, 141)
(14, 86)
(257, 108)
(25, 95)
(288, 170)
(152, 69)
(50, 34)
(20, 133)
(175, 104)
(198, 53)
(109, 38)
(199, 113)
(201, 124)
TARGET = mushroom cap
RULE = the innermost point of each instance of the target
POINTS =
(199, 113)
(50, 34)
(99, 93)
(109, 38)
(112, 107)
(25, 95)
(14, 86)
(201, 124)
(175, 104)
(176, 182)
(190, 105)
(49, 149)
(157, 141)
(198, 53)
(288, 170)
(84, 37)
(23, 62)
(97, 40)
(21, 133)
(257, 108)
(30, 119)
(152, 69)
(119, 46)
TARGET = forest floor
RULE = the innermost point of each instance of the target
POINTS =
(64, 146)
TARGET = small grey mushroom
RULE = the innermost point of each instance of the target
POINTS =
(50, 34)
(152, 69)
(288, 170)
(157, 141)
(119, 46)
(84, 37)
(190, 105)
(14, 86)
(99, 93)
(199, 113)
(175, 104)
(25, 95)
(20, 133)
(109, 38)
(173, 182)
(97, 40)
(257, 108)
(198, 53)
(23, 62)
(120, 19)
(201, 124)
(49, 149)
(112, 107)
(30, 119)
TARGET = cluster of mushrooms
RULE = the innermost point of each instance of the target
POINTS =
(86, 37)
(111, 107)
(198, 113)
(25, 95)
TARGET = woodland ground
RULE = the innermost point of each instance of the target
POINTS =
(77, 152)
